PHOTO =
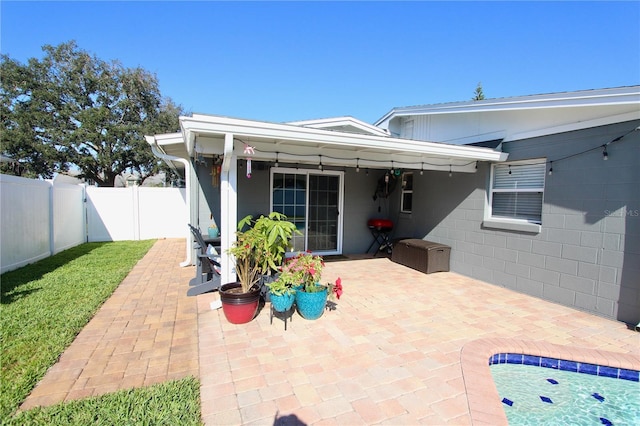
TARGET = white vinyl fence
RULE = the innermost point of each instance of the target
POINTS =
(41, 218)
(136, 213)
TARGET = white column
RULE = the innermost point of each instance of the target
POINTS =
(228, 208)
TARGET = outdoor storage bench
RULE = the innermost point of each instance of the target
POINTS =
(425, 256)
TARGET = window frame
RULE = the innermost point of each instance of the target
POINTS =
(514, 224)
(406, 191)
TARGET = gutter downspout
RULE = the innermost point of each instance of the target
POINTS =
(187, 178)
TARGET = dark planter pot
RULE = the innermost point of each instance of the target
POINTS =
(239, 308)
(311, 305)
(282, 303)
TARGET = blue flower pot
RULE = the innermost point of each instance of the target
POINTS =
(282, 303)
(311, 305)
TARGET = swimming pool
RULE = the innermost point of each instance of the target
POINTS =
(539, 390)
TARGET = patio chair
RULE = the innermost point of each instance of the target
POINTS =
(207, 277)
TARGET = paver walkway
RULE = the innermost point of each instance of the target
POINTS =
(389, 354)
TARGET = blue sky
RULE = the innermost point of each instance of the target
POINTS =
(286, 61)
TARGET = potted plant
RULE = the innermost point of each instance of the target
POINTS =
(274, 232)
(258, 250)
(305, 270)
(281, 293)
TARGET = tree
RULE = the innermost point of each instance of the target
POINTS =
(74, 110)
(478, 94)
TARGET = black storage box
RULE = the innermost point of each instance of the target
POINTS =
(425, 256)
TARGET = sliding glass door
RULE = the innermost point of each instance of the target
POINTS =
(313, 202)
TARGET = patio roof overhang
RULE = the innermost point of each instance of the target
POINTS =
(295, 143)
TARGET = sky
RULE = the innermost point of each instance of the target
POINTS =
(289, 61)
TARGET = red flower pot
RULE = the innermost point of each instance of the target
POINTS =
(238, 307)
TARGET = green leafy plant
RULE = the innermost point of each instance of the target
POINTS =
(260, 246)
(281, 287)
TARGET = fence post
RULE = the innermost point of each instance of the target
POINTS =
(52, 243)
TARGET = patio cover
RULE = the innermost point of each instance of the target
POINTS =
(338, 142)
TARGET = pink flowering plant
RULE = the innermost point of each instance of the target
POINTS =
(304, 272)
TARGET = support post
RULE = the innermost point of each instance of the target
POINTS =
(228, 209)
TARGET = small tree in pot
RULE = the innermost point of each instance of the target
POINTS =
(259, 249)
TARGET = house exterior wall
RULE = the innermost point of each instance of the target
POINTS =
(588, 253)
(359, 206)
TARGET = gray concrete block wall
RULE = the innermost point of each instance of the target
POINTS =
(588, 253)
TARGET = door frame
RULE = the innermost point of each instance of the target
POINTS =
(307, 172)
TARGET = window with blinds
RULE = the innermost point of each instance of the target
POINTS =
(517, 190)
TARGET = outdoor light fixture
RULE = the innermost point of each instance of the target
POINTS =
(509, 168)
(320, 165)
(277, 159)
(550, 168)
(451, 174)
(422, 169)
(357, 165)
(605, 154)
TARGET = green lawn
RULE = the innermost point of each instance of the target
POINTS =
(46, 304)
(170, 403)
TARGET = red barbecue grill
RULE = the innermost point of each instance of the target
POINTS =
(380, 229)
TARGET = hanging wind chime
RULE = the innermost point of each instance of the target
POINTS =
(249, 150)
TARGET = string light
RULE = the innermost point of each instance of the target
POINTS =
(605, 156)
(450, 174)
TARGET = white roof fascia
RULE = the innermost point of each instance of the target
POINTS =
(327, 123)
(617, 96)
(167, 139)
(208, 124)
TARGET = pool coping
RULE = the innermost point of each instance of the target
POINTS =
(485, 407)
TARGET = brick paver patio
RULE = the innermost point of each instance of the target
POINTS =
(389, 354)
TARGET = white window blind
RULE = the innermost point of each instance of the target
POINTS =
(517, 191)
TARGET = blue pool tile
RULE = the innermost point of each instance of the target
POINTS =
(552, 381)
(531, 360)
(568, 365)
(546, 399)
(549, 362)
(605, 421)
(632, 375)
(608, 371)
(494, 359)
(514, 358)
(507, 402)
(588, 369)
(598, 396)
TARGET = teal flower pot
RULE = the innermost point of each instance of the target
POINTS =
(282, 303)
(311, 305)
